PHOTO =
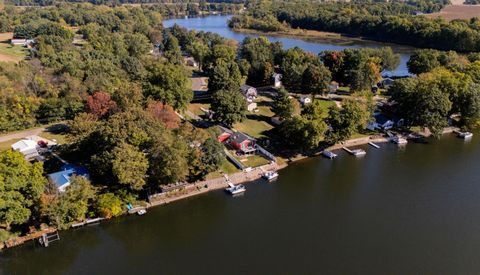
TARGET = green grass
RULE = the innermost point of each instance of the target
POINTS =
(253, 161)
(254, 127)
(16, 53)
(196, 108)
(226, 167)
(6, 144)
(326, 104)
(61, 138)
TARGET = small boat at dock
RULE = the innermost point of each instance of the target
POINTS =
(270, 175)
(141, 212)
(236, 189)
(329, 154)
(465, 135)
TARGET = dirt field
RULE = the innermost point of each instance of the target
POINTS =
(457, 11)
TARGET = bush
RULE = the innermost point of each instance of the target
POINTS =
(108, 205)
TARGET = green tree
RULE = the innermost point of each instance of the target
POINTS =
(172, 50)
(168, 83)
(346, 121)
(21, 185)
(71, 205)
(284, 107)
(316, 79)
(228, 107)
(423, 61)
(225, 76)
(168, 160)
(129, 166)
(199, 51)
(303, 133)
(212, 154)
(108, 205)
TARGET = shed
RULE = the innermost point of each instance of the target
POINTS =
(277, 80)
(27, 147)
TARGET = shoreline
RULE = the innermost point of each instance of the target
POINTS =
(242, 177)
(319, 36)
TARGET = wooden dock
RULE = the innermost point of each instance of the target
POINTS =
(87, 221)
(374, 145)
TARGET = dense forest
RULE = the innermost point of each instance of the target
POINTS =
(389, 22)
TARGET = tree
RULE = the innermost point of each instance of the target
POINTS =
(71, 205)
(212, 154)
(100, 105)
(284, 107)
(168, 160)
(165, 114)
(129, 166)
(172, 49)
(199, 51)
(225, 76)
(108, 205)
(303, 133)
(228, 107)
(344, 122)
(422, 61)
(21, 185)
(316, 80)
(168, 83)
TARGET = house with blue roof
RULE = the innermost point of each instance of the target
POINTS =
(61, 179)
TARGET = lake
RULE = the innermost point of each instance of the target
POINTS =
(218, 24)
(412, 210)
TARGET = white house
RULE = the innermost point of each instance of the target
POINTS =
(21, 41)
(277, 80)
(305, 100)
(248, 91)
(27, 147)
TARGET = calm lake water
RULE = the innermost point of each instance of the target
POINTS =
(395, 211)
(218, 24)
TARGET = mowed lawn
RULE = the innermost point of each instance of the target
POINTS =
(257, 123)
(8, 52)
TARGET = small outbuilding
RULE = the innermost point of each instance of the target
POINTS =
(277, 80)
(305, 100)
(28, 147)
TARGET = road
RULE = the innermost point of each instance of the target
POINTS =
(22, 134)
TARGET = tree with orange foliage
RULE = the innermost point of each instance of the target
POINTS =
(164, 113)
(100, 105)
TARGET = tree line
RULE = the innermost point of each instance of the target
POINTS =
(388, 22)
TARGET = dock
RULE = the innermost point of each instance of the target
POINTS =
(355, 152)
(374, 145)
(47, 238)
(86, 222)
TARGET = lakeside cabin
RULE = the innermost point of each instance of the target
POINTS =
(242, 143)
(61, 179)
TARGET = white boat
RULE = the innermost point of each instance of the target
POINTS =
(329, 154)
(465, 135)
(237, 189)
(141, 212)
(359, 152)
(270, 175)
(399, 140)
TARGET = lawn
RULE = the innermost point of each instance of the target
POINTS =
(253, 161)
(10, 53)
(6, 144)
(326, 104)
(253, 126)
(196, 108)
(61, 138)
(226, 167)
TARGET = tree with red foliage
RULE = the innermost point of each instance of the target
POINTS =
(164, 113)
(101, 105)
